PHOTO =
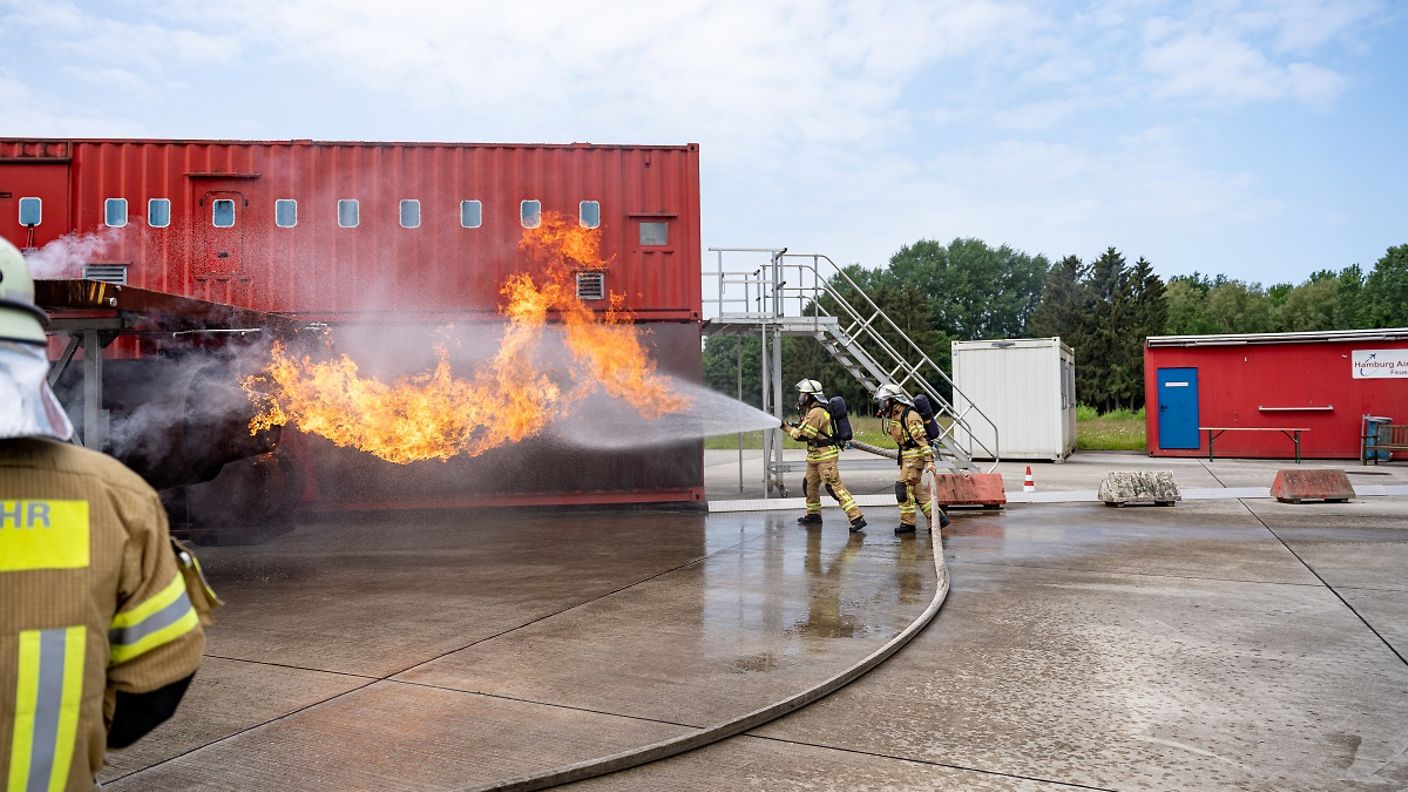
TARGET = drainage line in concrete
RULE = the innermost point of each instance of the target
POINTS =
(1325, 583)
(931, 763)
(678, 745)
(1210, 473)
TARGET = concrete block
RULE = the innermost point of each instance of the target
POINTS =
(1140, 486)
(1293, 485)
(970, 489)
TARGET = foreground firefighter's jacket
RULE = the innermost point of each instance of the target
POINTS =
(92, 605)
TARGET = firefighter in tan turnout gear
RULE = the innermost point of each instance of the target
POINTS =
(902, 422)
(817, 431)
(98, 637)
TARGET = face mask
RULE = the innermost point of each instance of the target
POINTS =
(28, 407)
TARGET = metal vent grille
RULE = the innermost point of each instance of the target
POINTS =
(591, 285)
(107, 273)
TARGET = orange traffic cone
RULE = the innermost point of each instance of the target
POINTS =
(1028, 485)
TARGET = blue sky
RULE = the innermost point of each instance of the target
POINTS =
(1257, 138)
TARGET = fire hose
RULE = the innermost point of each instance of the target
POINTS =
(888, 453)
(664, 749)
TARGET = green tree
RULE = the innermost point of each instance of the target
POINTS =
(1148, 316)
(1064, 302)
(1107, 378)
(1350, 308)
(975, 291)
(721, 365)
(1186, 299)
(1236, 307)
(1310, 306)
(1385, 301)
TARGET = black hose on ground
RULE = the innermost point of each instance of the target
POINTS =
(888, 453)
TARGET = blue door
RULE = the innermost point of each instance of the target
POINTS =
(1178, 408)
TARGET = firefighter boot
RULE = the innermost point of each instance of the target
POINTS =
(809, 519)
(858, 525)
(904, 529)
(943, 519)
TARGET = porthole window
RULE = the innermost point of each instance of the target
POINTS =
(115, 212)
(347, 213)
(654, 234)
(471, 214)
(410, 213)
(31, 211)
(589, 214)
(222, 213)
(285, 213)
(159, 212)
(530, 213)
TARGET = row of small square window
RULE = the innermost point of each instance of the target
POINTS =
(222, 213)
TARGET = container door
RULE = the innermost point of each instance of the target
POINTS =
(1178, 408)
(218, 217)
(218, 224)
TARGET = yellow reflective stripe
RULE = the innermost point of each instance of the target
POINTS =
(48, 702)
(176, 588)
(121, 653)
(26, 701)
(43, 534)
(808, 430)
(75, 651)
(158, 621)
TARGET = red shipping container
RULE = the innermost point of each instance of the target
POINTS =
(1322, 382)
(434, 229)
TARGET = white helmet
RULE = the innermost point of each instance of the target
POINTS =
(20, 319)
(888, 392)
(28, 407)
(808, 388)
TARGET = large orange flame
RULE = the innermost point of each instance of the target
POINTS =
(436, 415)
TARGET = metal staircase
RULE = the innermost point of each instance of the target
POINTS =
(775, 294)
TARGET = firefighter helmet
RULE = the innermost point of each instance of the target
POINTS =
(808, 389)
(20, 318)
(887, 393)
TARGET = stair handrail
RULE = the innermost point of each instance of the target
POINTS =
(825, 285)
(770, 293)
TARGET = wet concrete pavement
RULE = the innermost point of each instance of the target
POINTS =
(1130, 649)
(1081, 471)
(1216, 645)
(435, 652)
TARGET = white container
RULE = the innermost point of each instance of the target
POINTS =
(1027, 387)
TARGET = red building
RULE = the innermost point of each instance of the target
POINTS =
(324, 230)
(1322, 382)
(361, 235)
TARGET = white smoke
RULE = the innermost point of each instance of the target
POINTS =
(65, 256)
(601, 421)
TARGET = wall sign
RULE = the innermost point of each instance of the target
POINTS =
(1380, 363)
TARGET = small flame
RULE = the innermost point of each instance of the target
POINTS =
(436, 415)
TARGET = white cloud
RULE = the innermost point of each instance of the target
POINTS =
(92, 37)
(30, 113)
(849, 124)
(1220, 67)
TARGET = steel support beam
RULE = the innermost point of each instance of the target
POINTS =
(94, 417)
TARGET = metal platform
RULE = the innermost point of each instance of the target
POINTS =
(92, 313)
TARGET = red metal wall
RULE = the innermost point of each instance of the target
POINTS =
(1235, 382)
(320, 270)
